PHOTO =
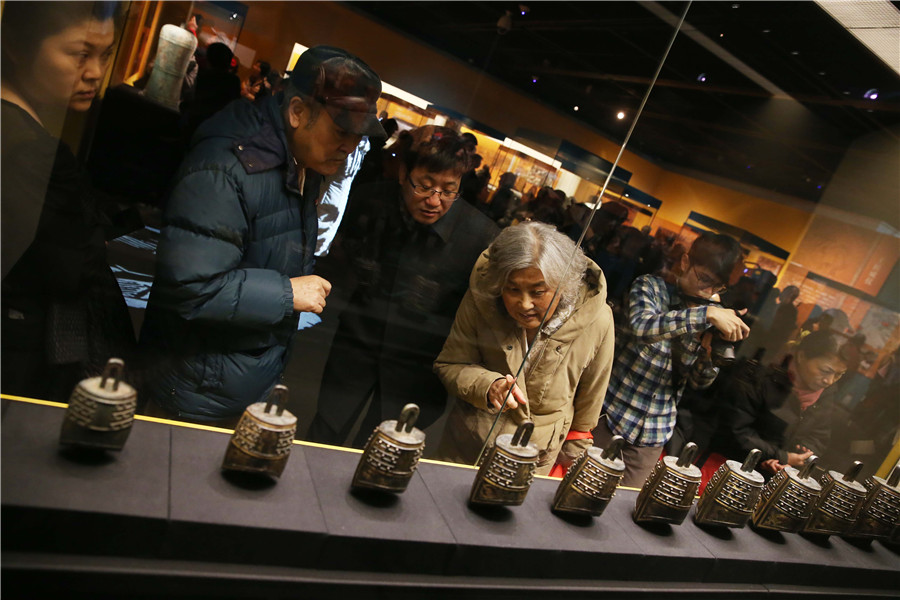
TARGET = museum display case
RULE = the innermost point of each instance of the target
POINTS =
(165, 511)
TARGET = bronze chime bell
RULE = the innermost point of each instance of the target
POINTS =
(731, 494)
(101, 410)
(787, 499)
(507, 469)
(669, 491)
(261, 442)
(590, 483)
(837, 507)
(391, 454)
(880, 512)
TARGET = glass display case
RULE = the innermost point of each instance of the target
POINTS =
(654, 183)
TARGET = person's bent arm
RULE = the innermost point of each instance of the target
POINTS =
(649, 319)
(199, 274)
(459, 365)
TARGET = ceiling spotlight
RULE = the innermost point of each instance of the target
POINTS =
(721, 35)
(735, 5)
(575, 108)
(701, 77)
(534, 79)
(822, 73)
(523, 9)
(767, 31)
(871, 94)
(620, 115)
(795, 53)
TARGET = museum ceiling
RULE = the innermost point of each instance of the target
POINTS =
(769, 94)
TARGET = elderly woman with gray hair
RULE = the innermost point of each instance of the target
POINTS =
(563, 382)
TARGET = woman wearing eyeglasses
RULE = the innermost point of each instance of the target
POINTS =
(660, 342)
(512, 316)
(410, 245)
(785, 412)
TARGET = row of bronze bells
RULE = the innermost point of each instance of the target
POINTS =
(792, 501)
(101, 411)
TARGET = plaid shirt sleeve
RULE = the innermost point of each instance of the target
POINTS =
(642, 397)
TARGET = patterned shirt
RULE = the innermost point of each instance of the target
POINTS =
(643, 388)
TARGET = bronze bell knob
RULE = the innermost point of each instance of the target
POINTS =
(391, 454)
(507, 470)
(731, 494)
(101, 410)
(590, 482)
(669, 491)
(262, 441)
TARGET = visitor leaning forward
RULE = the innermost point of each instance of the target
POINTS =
(236, 252)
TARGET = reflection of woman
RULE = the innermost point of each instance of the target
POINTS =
(562, 385)
(62, 312)
(787, 416)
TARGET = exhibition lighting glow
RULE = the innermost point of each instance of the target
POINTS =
(871, 94)
(514, 145)
(620, 115)
(875, 23)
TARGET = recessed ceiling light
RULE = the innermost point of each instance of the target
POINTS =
(721, 35)
(575, 108)
(701, 77)
(822, 73)
(795, 52)
(871, 94)
(735, 5)
(767, 31)
(534, 79)
(620, 115)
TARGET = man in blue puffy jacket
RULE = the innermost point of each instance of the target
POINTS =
(236, 251)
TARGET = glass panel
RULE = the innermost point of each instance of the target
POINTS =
(744, 134)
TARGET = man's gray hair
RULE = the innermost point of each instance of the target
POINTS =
(538, 245)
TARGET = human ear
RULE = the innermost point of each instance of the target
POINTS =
(685, 263)
(298, 113)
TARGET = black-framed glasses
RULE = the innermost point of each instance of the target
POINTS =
(708, 283)
(426, 192)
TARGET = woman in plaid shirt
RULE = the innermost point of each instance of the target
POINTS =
(665, 323)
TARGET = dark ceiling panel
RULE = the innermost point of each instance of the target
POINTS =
(601, 56)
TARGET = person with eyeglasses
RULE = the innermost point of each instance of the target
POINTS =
(659, 344)
(409, 245)
(784, 411)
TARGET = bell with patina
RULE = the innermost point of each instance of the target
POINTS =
(731, 494)
(669, 491)
(507, 469)
(391, 454)
(880, 512)
(262, 441)
(787, 499)
(837, 507)
(101, 410)
(590, 483)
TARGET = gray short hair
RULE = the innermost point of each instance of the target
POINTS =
(538, 245)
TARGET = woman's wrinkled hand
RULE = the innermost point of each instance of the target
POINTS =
(498, 391)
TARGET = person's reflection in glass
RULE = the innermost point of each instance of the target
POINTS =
(563, 382)
(665, 322)
(788, 416)
(63, 314)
